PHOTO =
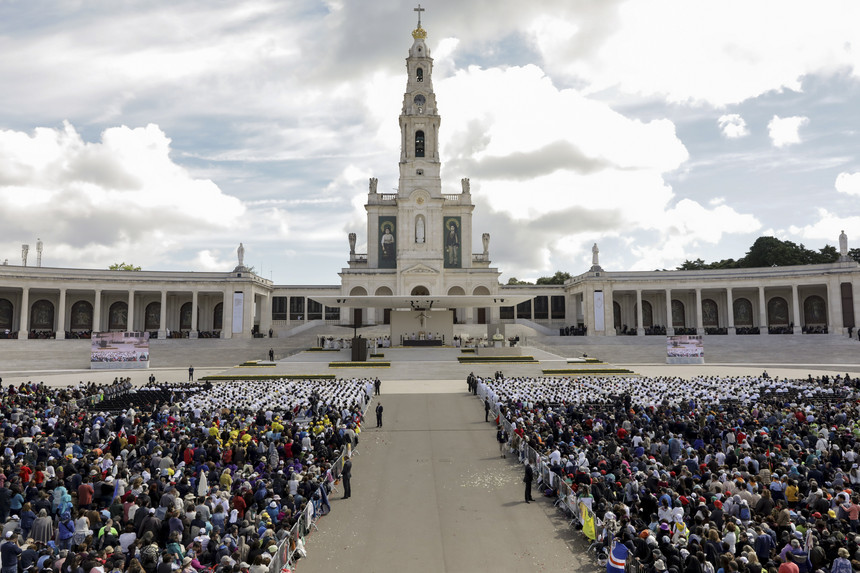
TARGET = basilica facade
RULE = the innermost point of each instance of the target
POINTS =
(423, 256)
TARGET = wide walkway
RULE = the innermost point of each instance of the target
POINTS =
(431, 493)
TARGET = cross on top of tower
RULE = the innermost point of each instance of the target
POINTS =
(419, 10)
(419, 33)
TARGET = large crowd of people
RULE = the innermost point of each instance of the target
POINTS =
(214, 480)
(709, 475)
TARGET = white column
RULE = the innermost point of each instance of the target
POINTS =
(130, 323)
(730, 310)
(266, 319)
(608, 311)
(670, 328)
(24, 318)
(250, 309)
(795, 306)
(640, 328)
(193, 332)
(162, 317)
(856, 296)
(700, 327)
(61, 316)
(762, 311)
(227, 314)
(834, 305)
(97, 311)
(587, 310)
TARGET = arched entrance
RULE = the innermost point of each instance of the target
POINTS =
(483, 312)
(118, 316)
(386, 312)
(742, 309)
(679, 317)
(152, 316)
(777, 312)
(82, 316)
(459, 313)
(420, 291)
(358, 313)
(814, 311)
(42, 315)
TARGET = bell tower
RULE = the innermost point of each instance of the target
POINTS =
(419, 122)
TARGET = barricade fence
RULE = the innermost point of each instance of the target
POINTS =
(567, 500)
(291, 547)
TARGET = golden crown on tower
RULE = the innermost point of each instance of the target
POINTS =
(419, 33)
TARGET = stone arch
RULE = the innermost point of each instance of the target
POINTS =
(777, 312)
(386, 312)
(679, 315)
(419, 143)
(218, 316)
(81, 317)
(185, 313)
(6, 310)
(647, 315)
(42, 315)
(152, 316)
(814, 311)
(383, 291)
(358, 291)
(710, 316)
(616, 315)
(420, 229)
(742, 309)
(118, 316)
(456, 291)
(420, 290)
(481, 291)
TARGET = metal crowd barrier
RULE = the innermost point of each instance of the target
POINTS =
(285, 557)
(566, 500)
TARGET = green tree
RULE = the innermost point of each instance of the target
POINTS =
(559, 278)
(516, 281)
(854, 254)
(123, 266)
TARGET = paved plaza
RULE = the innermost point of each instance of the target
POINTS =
(431, 492)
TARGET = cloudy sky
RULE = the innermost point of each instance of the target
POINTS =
(163, 133)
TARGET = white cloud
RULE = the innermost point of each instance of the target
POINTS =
(733, 126)
(848, 183)
(702, 52)
(122, 198)
(827, 228)
(786, 130)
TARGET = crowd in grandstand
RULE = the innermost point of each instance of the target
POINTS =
(713, 474)
(208, 479)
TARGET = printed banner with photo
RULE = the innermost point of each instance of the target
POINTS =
(123, 350)
(687, 346)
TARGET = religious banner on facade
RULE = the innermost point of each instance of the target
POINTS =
(238, 311)
(453, 243)
(387, 242)
(124, 350)
(599, 318)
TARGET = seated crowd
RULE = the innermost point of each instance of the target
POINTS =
(215, 481)
(713, 474)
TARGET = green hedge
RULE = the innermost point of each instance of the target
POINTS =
(496, 359)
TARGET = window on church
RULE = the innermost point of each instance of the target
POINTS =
(541, 307)
(557, 307)
(506, 313)
(524, 310)
(419, 144)
(297, 308)
(419, 75)
(332, 313)
(419, 172)
(279, 308)
(315, 310)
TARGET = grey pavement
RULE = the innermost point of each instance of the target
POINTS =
(430, 492)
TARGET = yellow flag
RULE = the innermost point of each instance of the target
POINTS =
(587, 522)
